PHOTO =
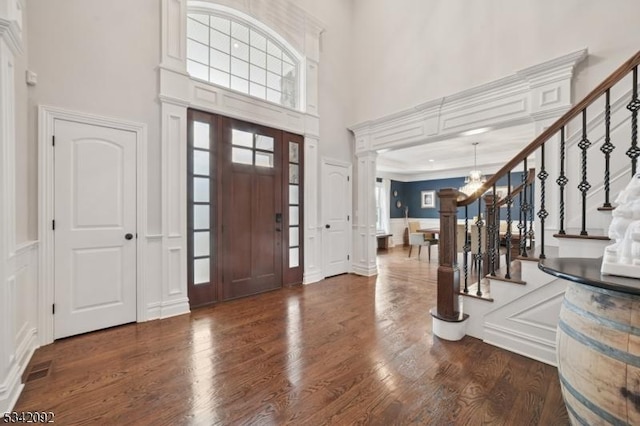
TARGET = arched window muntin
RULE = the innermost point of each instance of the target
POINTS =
(230, 49)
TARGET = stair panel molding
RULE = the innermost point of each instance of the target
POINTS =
(528, 324)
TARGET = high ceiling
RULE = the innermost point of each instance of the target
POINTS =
(454, 157)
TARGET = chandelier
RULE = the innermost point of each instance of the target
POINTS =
(475, 180)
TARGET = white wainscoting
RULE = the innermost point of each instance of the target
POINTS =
(19, 321)
(399, 225)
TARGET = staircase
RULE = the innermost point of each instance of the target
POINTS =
(561, 207)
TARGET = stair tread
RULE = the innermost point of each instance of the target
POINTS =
(533, 255)
(515, 273)
(473, 289)
(583, 237)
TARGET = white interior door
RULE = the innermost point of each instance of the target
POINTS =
(94, 227)
(336, 214)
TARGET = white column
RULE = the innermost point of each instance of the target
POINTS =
(312, 228)
(174, 210)
(174, 35)
(364, 261)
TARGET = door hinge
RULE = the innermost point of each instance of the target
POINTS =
(136, 235)
(348, 218)
(53, 309)
(53, 140)
(53, 225)
(348, 178)
(347, 257)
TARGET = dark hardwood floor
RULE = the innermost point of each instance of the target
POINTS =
(342, 351)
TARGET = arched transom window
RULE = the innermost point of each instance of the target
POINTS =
(233, 53)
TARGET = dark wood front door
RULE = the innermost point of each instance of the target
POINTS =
(251, 209)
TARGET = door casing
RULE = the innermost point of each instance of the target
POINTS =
(47, 117)
(326, 162)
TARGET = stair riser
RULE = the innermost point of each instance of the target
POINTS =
(582, 248)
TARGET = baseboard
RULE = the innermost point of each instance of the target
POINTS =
(153, 311)
(174, 308)
(364, 270)
(312, 277)
(12, 387)
(526, 345)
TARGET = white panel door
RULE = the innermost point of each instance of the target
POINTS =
(336, 214)
(95, 227)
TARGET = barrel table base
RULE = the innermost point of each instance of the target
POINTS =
(598, 343)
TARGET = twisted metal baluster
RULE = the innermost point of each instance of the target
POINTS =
(562, 181)
(531, 212)
(466, 248)
(584, 185)
(607, 148)
(633, 106)
(507, 237)
(524, 207)
(479, 224)
(491, 233)
(542, 214)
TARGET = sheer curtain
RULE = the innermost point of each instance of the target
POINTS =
(385, 220)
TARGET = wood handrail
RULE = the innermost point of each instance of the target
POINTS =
(531, 175)
(607, 84)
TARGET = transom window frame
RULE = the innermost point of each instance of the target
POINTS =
(220, 11)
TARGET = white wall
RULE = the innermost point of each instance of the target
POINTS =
(411, 51)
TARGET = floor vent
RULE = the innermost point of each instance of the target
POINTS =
(38, 371)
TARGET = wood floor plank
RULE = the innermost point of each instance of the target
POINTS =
(346, 350)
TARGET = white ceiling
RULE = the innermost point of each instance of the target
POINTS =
(454, 157)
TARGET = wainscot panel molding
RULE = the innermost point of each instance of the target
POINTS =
(20, 294)
(508, 101)
(178, 91)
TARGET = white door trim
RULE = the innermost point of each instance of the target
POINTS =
(47, 116)
(327, 161)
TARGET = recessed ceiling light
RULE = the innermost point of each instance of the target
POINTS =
(431, 160)
(476, 131)
(235, 45)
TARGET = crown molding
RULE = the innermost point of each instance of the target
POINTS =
(538, 92)
(11, 34)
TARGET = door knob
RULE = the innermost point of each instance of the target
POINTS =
(128, 236)
(327, 226)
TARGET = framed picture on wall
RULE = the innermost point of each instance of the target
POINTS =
(428, 199)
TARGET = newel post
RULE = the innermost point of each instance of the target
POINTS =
(448, 272)
(491, 261)
(448, 322)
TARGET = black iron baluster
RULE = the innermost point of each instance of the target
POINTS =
(524, 207)
(507, 236)
(542, 213)
(584, 184)
(607, 148)
(562, 181)
(491, 232)
(479, 224)
(531, 212)
(633, 106)
(466, 248)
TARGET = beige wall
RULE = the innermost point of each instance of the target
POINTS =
(411, 51)
(100, 58)
(335, 88)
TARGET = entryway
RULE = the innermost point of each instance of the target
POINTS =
(244, 208)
